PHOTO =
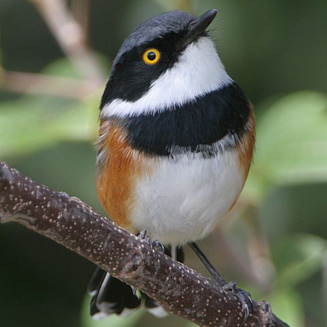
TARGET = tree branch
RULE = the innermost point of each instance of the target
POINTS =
(39, 84)
(71, 38)
(75, 225)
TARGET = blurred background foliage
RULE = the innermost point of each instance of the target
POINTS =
(54, 59)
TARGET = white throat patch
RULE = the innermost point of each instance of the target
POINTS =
(198, 71)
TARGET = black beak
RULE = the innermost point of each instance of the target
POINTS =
(199, 25)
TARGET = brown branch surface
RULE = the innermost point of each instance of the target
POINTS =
(75, 225)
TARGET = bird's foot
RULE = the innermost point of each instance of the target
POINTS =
(155, 245)
(244, 297)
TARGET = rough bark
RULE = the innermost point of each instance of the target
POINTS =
(75, 225)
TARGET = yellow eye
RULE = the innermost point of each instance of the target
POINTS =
(151, 56)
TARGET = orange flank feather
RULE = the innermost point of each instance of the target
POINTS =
(117, 173)
(246, 147)
(245, 150)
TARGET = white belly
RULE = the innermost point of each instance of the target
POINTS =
(184, 199)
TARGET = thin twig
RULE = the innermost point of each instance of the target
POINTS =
(38, 84)
(81, 13)
(75, 225)
(71, 38)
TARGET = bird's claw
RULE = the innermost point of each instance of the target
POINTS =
(142, 234)
(158, 246)
(244, 297)
(155, 245)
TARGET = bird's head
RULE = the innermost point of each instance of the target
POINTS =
(166, 61)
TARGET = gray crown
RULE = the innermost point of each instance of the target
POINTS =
(156, 27)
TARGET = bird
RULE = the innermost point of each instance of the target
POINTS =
(176, 140)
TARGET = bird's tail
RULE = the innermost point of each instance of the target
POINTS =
(110, 295)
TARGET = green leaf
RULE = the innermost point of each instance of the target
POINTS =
(64, 67)
(30, 123)
(111, 321)
(298, 258)
(33, 122)
(191, 324)
(61, 67)
(287, 305)
(291, 144)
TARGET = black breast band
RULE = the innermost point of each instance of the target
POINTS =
(195, 125)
